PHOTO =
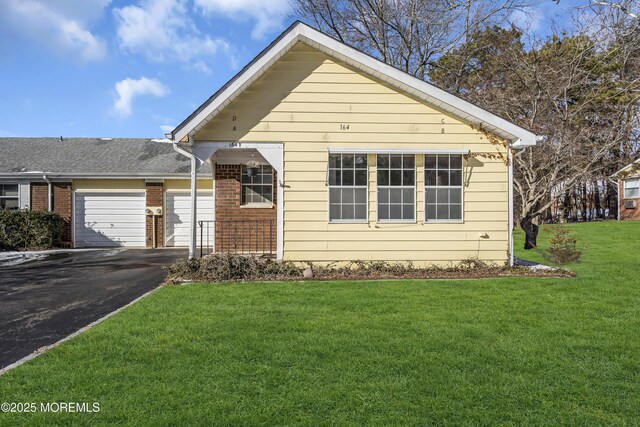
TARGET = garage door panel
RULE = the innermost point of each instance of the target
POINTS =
(178, 218)
(110, 219)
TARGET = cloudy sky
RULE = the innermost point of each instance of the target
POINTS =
(133, 68)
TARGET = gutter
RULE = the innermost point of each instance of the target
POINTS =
(49, 192)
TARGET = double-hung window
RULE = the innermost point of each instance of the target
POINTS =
(9, 197)
(443, 187)
(396, 187)
(347, 187)
(257, 190)
(632, 188)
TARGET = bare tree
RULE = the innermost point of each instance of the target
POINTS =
(628, 7)
(408, 34)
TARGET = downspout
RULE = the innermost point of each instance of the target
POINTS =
(49, 193)
(510, 197)
(194, 203)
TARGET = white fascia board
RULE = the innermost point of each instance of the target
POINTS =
(629, 166)
(341, 150)
(370, 65)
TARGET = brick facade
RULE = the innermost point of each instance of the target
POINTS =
(628, 214)
(242, 229)
(155, 192)
(61, 203)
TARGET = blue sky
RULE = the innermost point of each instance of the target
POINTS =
(135, 68)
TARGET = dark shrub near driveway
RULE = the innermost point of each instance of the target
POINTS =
(30, 230)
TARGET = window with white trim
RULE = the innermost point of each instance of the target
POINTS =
(396, 187)
(257, 190)
(443, 187)
(9, 198)
(632, 188)
(347, 187)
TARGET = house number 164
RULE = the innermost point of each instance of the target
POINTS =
(344, 127)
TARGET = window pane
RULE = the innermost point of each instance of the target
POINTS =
(347, 195)
(334, 195)
(361, 177)
(361, 195)
(246, 179)
(455, 212)
(430, 213)
(383, 161)
(383, 211)
(443, 212)
(430, 177)
(456, 177)
(442, 196)
(395, 161)
(431, 195)
(408, 196)
(408, 177)
(396, 177)
(361, 212)
(430, 161)
(443, 161)
(334, 161)
(347, 212)
(9, 190)
(455, 195)
(408, 212)
(395, 212)
(383, 195)
(443, 177)
(10, 204)
(334, 212)
(395, 195)
(456, 162)
(383, 177)
(347, 161)
(361, 161)
(347, 177)
(335, 177)
(409, 161)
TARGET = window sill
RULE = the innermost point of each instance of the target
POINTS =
(350, 221)
(443, 221)
(258, 206)
(396, 221)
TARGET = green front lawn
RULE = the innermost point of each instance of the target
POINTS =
(467, 352)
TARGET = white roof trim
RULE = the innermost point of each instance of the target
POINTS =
(341, 150)
(299, 32)
(629, 166)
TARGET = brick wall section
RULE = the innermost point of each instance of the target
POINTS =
(628, 214)
(258, 224)
(61, 204)
(155, 198)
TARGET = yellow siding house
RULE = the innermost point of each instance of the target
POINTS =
(368, 162)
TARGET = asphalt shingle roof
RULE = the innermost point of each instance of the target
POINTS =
(99, 156)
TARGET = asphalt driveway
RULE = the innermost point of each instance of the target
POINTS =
(45, 300)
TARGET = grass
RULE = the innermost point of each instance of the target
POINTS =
(512, 351)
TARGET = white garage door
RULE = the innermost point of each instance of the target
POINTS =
(178, 217)
(110, 219)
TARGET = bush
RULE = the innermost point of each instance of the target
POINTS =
(562, 247)
(30, 230)
(234, 267)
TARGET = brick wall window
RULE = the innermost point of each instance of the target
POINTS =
(257, 190)
(9, 198)
(632, 188)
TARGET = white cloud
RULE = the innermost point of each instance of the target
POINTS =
(59, 25)
(129, 88)
(268, 14)
(162, 30)
(167, 128)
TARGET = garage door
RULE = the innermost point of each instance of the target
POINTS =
(110, 219)
(178, 217)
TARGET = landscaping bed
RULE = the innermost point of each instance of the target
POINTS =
(233, 267)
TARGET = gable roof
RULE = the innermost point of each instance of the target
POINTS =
(404, 82)
(626, 168)
(91, 157)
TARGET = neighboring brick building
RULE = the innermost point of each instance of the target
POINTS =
(629, 191)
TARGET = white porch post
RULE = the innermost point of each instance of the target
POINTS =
(193, 237)
(274, 154)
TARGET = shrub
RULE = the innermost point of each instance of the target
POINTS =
(562, 247)
(234, 267)
(30, 230)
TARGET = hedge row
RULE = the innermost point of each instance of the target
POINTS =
(30, 230)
